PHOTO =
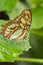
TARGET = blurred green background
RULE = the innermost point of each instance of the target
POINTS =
(9, 9)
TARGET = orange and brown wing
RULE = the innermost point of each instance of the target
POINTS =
(23, 21)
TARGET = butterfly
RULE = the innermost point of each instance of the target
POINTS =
(18, 27)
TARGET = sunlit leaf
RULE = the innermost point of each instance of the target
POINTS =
(9, 50)
(7, 5)
(17, 10)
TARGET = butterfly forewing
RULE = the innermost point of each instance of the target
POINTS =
(17, 28)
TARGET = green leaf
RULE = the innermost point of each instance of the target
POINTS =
(17, 10)
(7, 5)
(37, 18)
(9, 50)
(36, 39)
(35, 3)
(37, 31)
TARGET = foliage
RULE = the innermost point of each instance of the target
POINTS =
(10, 50)
(7, 5)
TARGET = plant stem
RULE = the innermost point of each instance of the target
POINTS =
(33, 60)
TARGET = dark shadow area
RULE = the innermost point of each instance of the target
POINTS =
(25, 3)
(3, 16)
(7, 63)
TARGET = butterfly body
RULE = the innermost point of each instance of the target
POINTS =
(21, 22)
